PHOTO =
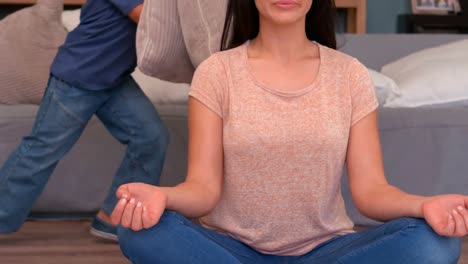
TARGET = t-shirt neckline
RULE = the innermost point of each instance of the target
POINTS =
(294, 93)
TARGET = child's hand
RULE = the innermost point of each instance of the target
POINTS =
(140, 206)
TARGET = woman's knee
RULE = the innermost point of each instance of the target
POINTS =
(432, 247)
(143, 244)
(439, 249)
(133, 243)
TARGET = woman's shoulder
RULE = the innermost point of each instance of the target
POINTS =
(221, 60)
(236, 52)
(338, 56)
(341, 60)
(229, 54)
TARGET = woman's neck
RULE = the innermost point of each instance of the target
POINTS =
(283, 43)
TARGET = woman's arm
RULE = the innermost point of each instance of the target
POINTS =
(370, 191)
(377, 199)
(200, 192)
(142, 205)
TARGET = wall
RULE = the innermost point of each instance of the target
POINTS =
(382, 15)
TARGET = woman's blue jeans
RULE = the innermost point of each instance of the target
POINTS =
(175, 239)
(64, 112)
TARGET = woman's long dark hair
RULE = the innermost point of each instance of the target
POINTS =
(242, 23)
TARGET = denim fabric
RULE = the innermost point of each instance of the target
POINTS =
(175, 239)
(64, 112)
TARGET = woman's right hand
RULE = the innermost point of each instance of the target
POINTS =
(140, 206)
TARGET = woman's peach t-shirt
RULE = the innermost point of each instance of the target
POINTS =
(284, 153)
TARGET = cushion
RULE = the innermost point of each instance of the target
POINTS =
(71, 19)
(158, 91)
(162, 92)
(385, 88)
(160, 44)
(202, 24)
(431, 76)
(29, 40)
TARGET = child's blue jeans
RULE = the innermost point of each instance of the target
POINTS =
(64, 112)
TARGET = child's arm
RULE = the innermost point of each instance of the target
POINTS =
(135, 13)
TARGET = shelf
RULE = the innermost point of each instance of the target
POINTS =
(436, 23)
(356, 12)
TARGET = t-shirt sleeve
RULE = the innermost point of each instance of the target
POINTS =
(126, 6)
(363, 98)
(209, 84)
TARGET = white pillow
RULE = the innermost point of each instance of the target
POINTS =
(202, 23)
(29, 39)
(160, 45)
(431, 76)
(158, 91)
(161, 92)
(71, 19)
(385, 88)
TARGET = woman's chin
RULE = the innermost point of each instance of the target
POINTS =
(286, 20)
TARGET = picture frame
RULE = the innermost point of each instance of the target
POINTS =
(435, 7)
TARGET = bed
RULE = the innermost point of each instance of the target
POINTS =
(425, 148)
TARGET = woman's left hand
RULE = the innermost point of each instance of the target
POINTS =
(447, 214)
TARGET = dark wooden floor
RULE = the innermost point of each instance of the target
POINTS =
(55, 242)
(58, 242)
